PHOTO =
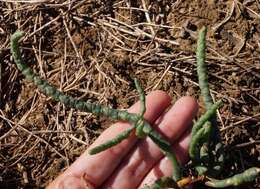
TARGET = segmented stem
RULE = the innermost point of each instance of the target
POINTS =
(205, 117)
(165, 147)
(203, 78)
(119, 138)
(142, 97)
(140, 123)
(214, 165)
(248, 175)
(200, 137)
(69, 101)
(202, 68)
(200, 133)
(198, 150)
(138, 120)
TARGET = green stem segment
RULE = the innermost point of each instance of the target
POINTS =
(140, 123)
(166, 149)
(203, 76)
(122, 136)
(248, 175)
(142, 97)
(138, 120)
(49, 90)
(197, 141)
(201, 149)
(200, 132)
(205, 117)
(202, 68)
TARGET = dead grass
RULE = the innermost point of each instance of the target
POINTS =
(88, 48)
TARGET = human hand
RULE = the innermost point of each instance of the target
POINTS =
(134, 163)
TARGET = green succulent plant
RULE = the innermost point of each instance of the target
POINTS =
(206, 150)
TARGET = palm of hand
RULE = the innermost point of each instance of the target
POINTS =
(134, 163)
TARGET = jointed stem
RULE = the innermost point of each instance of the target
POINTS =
(203, 77)
(198, 151)
(205, 117)
(142, 127)
(165, 147)
(140, 123)
(205, 132)
(202, 69)
(248, 175)
(199, 145)
(49, 90)
(200, 137)
(122, 136)
(142, 97)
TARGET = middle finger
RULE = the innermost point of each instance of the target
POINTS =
(141, 159)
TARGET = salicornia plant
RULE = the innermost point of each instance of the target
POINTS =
(206, 150)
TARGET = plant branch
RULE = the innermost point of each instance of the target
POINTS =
(248, 175)
(136, 119)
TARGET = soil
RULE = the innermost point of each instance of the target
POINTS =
(88, 49)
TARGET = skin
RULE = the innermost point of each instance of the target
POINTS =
(134, 163)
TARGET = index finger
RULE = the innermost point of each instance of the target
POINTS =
(97, 168)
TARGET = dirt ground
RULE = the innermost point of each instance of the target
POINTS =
(92, 49)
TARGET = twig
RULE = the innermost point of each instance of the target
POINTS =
(71, 40)
(22, 169)
(1, 75)
(78, 140)
(239, 122)
(247, 143)
(161, 78)
(137, 33)
(24, 154)
(44, 141)
(25, 1)
(155, 25)
(132, 8)
(10, 131)
(31, 133)
(252, 11)
(215, 28)
(148, 17)
(44, 26)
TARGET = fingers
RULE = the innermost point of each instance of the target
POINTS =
(97, 168)
(164, 167)
(146, 154)
(74, 183)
